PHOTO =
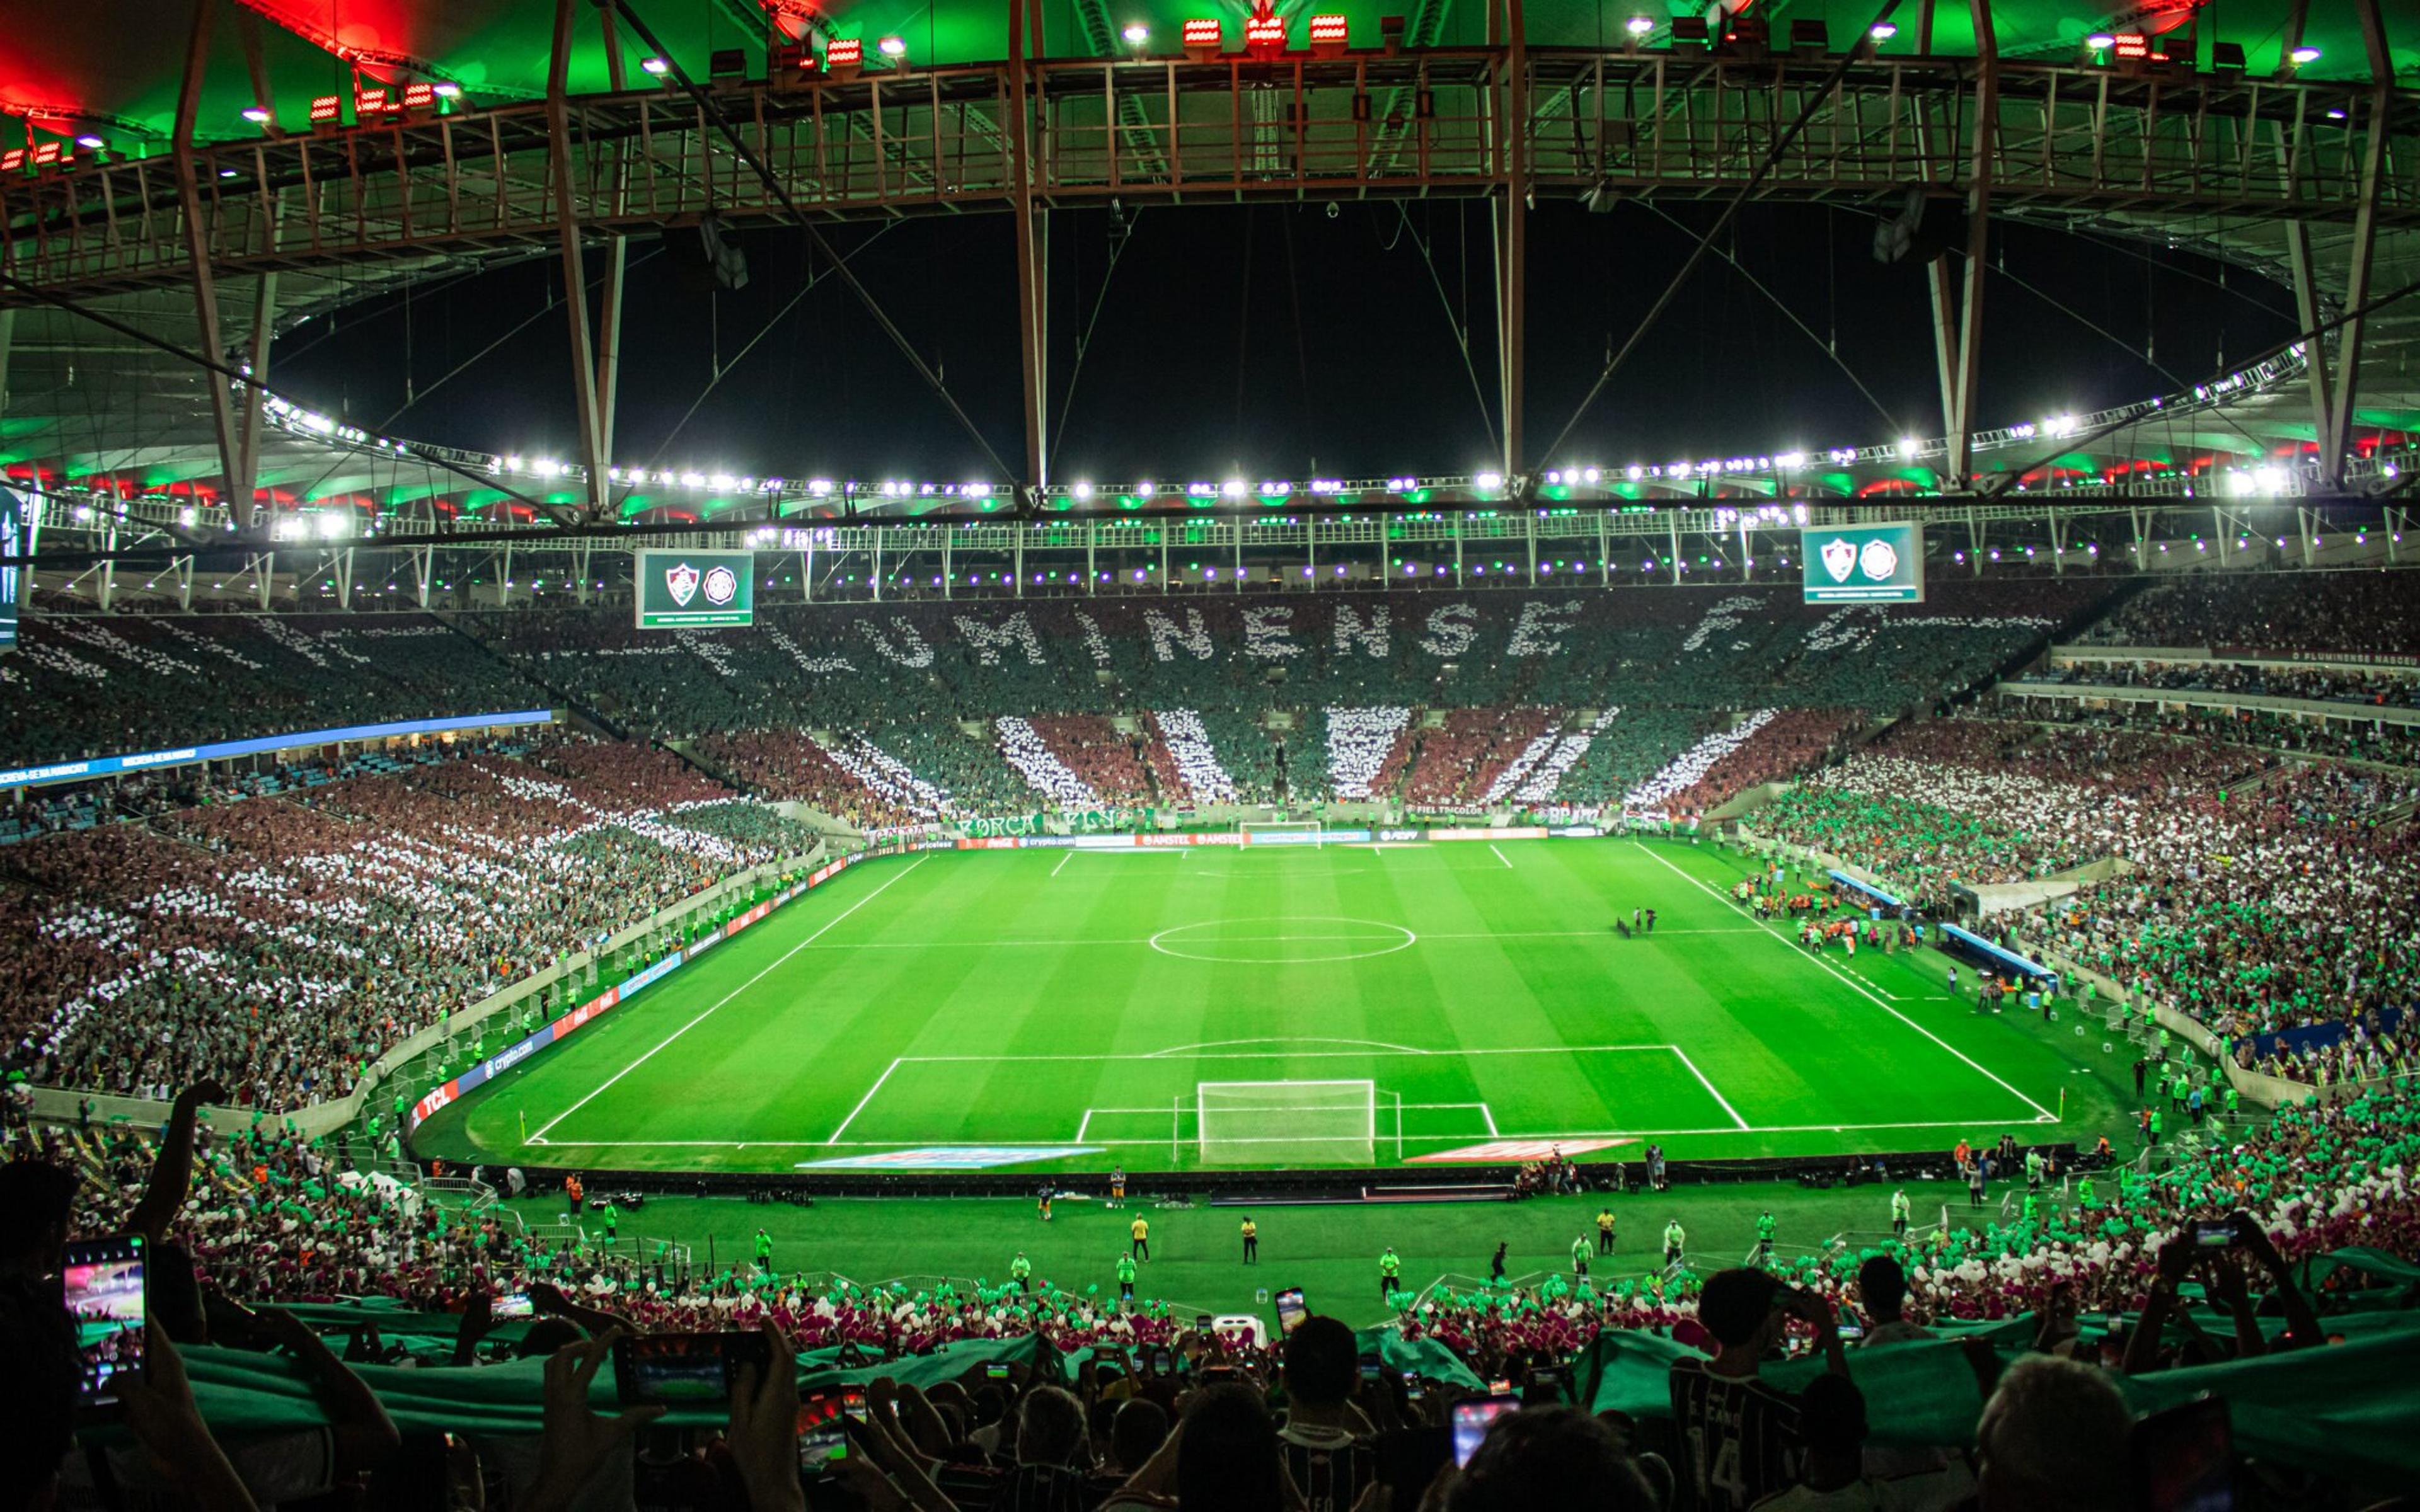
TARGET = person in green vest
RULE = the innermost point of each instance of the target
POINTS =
(2032, 1207)
(1900, 1210)
(1391, 1272)
(2234, 1101)
(2085, 1197)
(1021, 1271)
(2155, 1126)
(1125, 1277)
(1765, 1226)
(1675, 1242)
(764, 1252)
(2033, 1171)
(612, 1221)
(1580, 1248)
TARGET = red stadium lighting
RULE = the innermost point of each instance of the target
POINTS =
(326, 110)
(419, 96)
(369, 101)
(1202, 38)
(1265, 35)
(46, 154)
(2132, 47)
(845, 52)
(1329, 35)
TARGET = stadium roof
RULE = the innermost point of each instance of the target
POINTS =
(82, 404)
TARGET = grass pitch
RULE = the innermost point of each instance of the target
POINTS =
(1048, 1011)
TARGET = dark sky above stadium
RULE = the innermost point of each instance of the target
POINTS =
(1287, 341)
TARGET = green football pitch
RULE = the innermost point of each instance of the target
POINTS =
(1279, 1007)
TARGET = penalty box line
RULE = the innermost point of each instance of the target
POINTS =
(1739, 1124)
(1487, 1114)
(2043, 1114)
(1160, 1141)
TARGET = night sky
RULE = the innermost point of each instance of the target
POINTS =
(1283, 342)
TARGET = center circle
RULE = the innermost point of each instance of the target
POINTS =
(1291, 940)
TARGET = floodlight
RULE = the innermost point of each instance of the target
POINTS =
(656, 66)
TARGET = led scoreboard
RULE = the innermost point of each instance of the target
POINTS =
(687, 590)
(1863, 563)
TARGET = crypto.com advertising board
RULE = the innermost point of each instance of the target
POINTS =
(1863, 563)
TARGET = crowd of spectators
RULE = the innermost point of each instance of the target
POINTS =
(1457, 763)
(1367, 750)
(280, 943)
(2257, 897)
(2371, 687)
(2315, 613)
(2102, 1283)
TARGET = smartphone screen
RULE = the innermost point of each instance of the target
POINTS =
(513, 1305)
(1201, 1322)
(822, 1433)
(1370, 1367)
(1161, 1362)
(2212, 1234)
(106, 1284)
(1471, 1423)
(997, 1370)
(1291, 1311)
(1851, 1329)
(682, 1370)
(1411, 1386)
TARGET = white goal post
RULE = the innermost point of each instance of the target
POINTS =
(1277, 1123)
(1251, 829)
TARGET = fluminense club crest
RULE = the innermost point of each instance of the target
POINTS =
(1839, 556)
(682, 579)
(1879, 560)
(722, 586)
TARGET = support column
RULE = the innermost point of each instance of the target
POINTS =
(1961, 364)
(1675, 523)
(2336, 440)
(1164, 574)
(2057, 544)
(575, 275)
(2308, 315)
(345, 577)
(1603, 553)
(197, 256)
(949, 567)
(1529, 538)
(109, 570)
(1017, 560)
(1457, 550)
(1091, 544)
(1033, 328)
(264, 331)
(8, 339)
(1512, 240)
(1235, 528)
(876, 578)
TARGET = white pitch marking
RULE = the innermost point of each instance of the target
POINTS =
(1161, 1140)
(862, 1100)
(1489, 1114)
(1499, 856)
(2046, 1115)
(1707, 1086)
(734, 993)
(1063, 861)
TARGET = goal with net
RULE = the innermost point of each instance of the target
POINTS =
(1278, 832)
(1280, 1124)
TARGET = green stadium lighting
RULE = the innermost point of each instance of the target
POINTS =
(2304, 54)
(2100, 41)
(1136, 34)
(658, 67)
(1884, 31)
(257, 114)
(1639, 25)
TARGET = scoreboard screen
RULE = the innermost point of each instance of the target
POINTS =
(1863, 563)
(687, 590)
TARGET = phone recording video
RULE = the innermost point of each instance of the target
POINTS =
(683, 1369)
(1471, 1420)
(2214, 1234)
(513, 1305)
(824, 1417)
(1371, 1367)
(1291, 1311)
(108, 1296)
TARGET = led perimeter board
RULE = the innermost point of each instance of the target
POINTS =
(1863, 563)
(686, 590)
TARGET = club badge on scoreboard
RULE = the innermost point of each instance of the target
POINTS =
(1839, 558)
(681, 582)
(722, 586)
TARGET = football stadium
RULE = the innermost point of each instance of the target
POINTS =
(772, 754)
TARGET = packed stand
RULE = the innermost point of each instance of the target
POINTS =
(2315, 613)
(280, 944)
(1458, 763)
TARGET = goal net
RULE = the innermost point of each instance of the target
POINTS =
(1279, 1123)
(1278, 832)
